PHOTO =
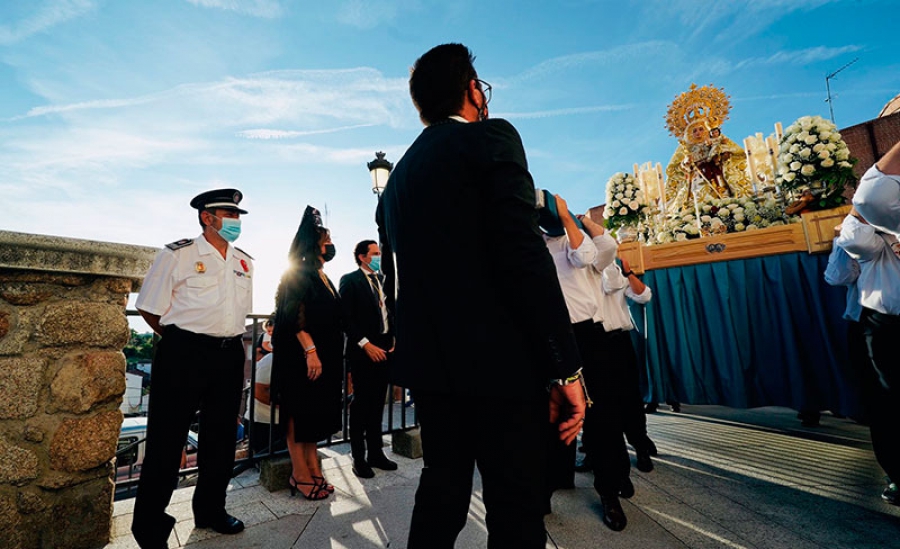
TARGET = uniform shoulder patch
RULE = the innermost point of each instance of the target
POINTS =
(245, 253)
(178, 244)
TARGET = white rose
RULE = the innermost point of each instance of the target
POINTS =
(835, 137)
(692, 230)
(824, 135)
(794, 149)
(818, 147)
(680, 237)
(752, 227)
(845, 164)
(688, 218)
(793, 128)
(629, 193)
(623, 211)
(827, 163)
(615, 204)
(803, 135)
(705, 219)
(739, 227)
(790, 176)
(739, 216)
(842, 154)
(811, 139)
(706, 208)
(808, 170)
(634, 205)
(804, 153)
(618, 175)
(786, 158)
(824, 154)
(724, 212)
(620, 196)
(795, 165)
(831, 147)
(716, 222)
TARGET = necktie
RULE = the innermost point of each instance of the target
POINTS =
(376, 288)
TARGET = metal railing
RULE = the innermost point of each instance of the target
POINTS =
(399, 416)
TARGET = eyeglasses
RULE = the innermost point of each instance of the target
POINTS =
(485, 90)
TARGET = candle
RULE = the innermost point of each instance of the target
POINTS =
(751, 164)
(660, 183)
(636, 170)
(773, 150)
(779, 132)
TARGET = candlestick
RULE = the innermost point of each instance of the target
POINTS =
(751, 163)
(660, 183)
(773, 148)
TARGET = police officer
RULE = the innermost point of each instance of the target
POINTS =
(197, 296)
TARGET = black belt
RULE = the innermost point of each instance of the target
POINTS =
(203, 339)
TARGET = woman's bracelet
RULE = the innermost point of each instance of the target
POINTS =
(310, 350)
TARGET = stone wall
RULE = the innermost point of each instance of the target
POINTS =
(62, 376)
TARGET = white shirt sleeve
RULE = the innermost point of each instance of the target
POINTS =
(582, 256)
(156, 291)
(842, 270)
(606, 251)
(859, 240)
(640, 298)
(877, 199)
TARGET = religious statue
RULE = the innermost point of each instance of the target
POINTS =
(706, 164)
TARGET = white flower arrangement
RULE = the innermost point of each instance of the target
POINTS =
(812, 155)
(721, 216)
(625, 202)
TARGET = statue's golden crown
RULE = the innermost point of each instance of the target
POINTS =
(708, 103)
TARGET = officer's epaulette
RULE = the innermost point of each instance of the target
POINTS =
(178, 244)
(243, 252)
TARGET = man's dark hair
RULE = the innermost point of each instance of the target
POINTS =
(439, 80)
(362, 249)
(200, 216)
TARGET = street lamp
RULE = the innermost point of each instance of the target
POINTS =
(379, 169)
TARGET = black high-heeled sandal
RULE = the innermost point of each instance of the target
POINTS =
(317, 493)
(323, 483)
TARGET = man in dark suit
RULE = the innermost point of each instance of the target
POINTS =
(369, 340)
(483, 334)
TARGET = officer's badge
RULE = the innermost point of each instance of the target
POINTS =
(200, 267)
(244, 266)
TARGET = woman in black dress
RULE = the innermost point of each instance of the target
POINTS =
(307, 369)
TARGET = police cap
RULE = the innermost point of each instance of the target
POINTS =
(219, 199)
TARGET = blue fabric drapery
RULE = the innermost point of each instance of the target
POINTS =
(764, 331)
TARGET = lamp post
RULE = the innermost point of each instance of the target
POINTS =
(379, 169)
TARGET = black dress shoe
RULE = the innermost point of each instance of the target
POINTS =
(651, 448)
(613, 514)
(226, 524)
(891, 494)
(626, 489)
(644, 463)
(362, 470)
(382, 463)
(584, 465)
(651, 408)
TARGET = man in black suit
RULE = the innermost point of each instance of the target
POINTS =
(369, 340)
(483, 334)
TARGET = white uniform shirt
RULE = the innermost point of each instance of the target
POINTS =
(262, 412)
(196, 289)
(571, 269)
(843, 270)
(617, 288)
(879, 266)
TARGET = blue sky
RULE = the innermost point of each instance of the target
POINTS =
(113, 114)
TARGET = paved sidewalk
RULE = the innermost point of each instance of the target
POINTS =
(725, 478)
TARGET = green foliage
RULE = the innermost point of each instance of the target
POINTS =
(139, 348)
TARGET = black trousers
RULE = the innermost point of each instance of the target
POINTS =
(623, 357)
(370, 383)
(881, 386)
(190, 372)
(604, 422)
(507, 441)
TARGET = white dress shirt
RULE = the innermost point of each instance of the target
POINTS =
(616, 287)
(571, 269)
(843, 270)
(877, 199)
(879, 265)
(196, 289)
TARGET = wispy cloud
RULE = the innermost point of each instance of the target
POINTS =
(798, 57)
(46, 15)
(267, 9)
(612, 56)
(565, 112)
(368, 14)
(264, 133)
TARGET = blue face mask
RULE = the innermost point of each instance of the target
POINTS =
(375, 264)
(231, 228)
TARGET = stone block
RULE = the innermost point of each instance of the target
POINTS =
(17, 465)
(30, 501)
(11, 532)
(88, 379)
(26, 294)
(274, 473)
(407, 443)
(4, 324)
(81, 322)
(21, 379)
(81, 516)
(85, 443)
(33, 433)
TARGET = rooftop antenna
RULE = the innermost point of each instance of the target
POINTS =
(828, 86)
